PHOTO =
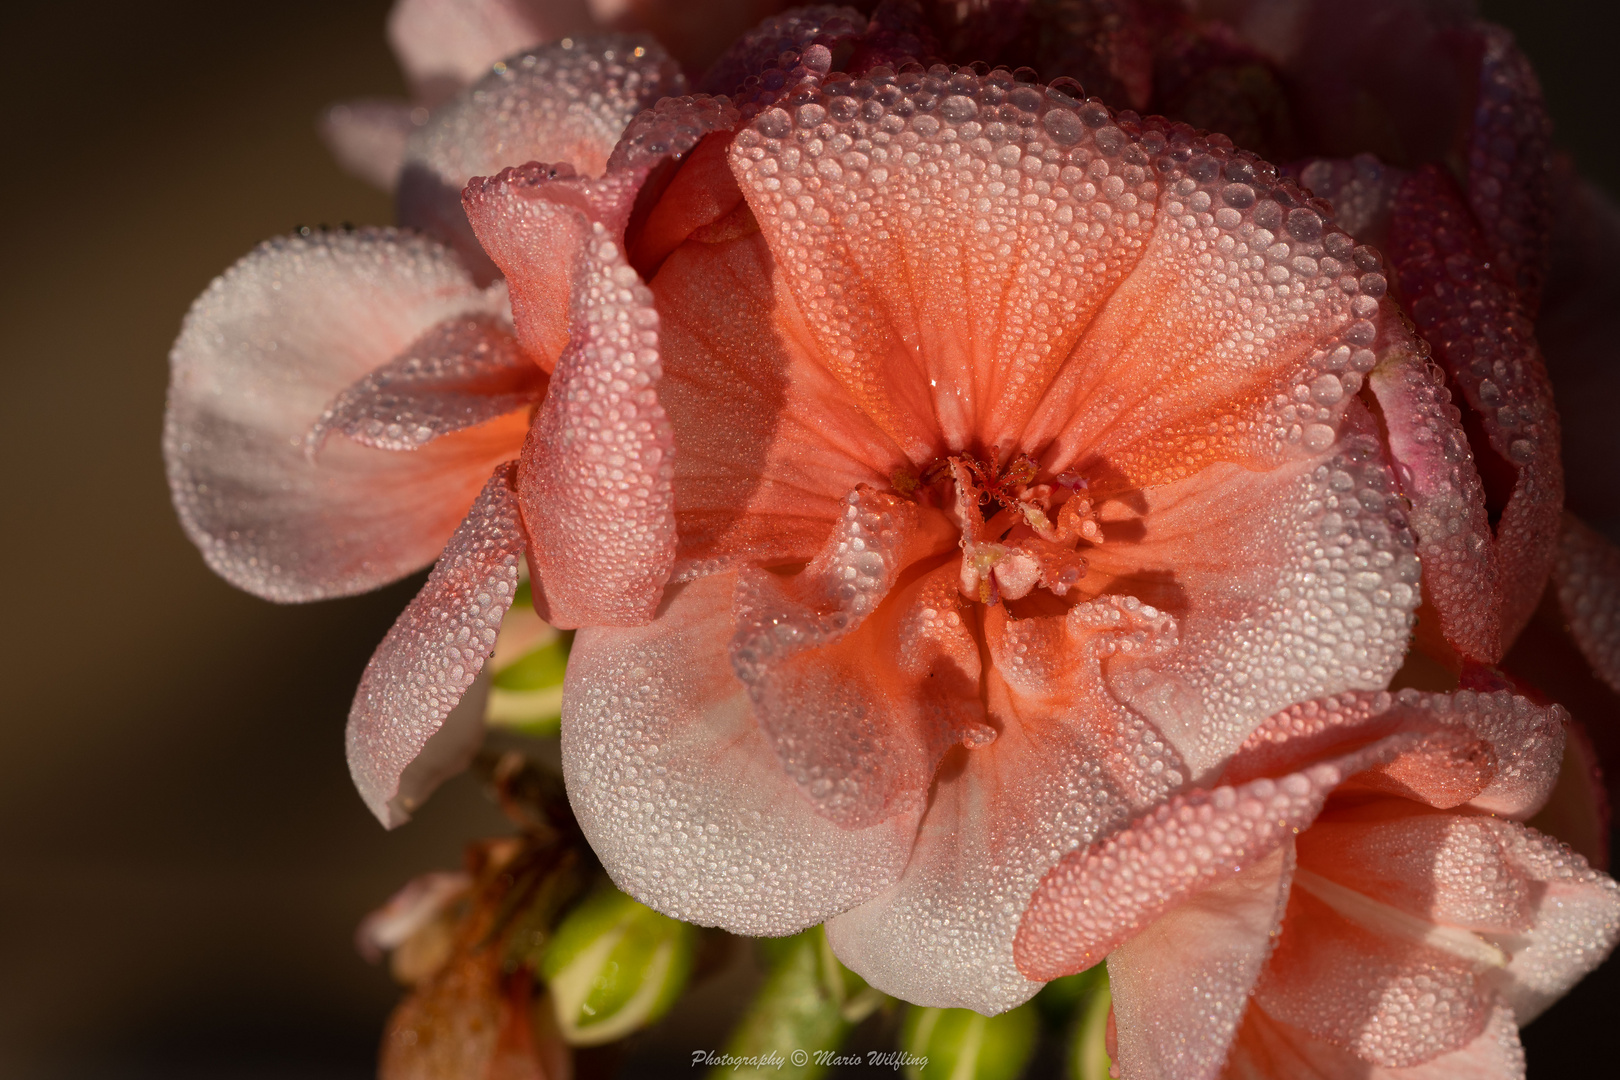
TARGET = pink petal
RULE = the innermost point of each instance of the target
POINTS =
(368, 137)
(681, 796)
(1481, 335)
(445, 44)
(567, 102)
(403, 739)
(1069, 763)
(1269, 1048)
(262, 354)
(461, 373)
(1180, 986)
(420, 901)
(1576, 922)
(1461, 578)
(1587, 578)
(861, 692)
(776, 50)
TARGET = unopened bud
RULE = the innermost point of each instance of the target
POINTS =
(530, 659)
(963, 1043)
(614, 966)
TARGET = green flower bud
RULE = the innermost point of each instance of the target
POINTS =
(614, 966)
(531, 657)
(801, 1016)
(1088, 1047)
(960, 1044)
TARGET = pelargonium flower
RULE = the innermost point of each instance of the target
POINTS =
(1355, 896)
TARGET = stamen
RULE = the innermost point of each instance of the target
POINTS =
(1381, 918)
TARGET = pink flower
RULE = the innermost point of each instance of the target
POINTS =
(1354, 897)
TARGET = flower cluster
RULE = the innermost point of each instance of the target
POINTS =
(993, 517)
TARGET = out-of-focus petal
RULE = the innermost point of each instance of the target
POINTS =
(1070, 762)
(682, 797)
(262, 354)
(368, 137)
(1180, 986)
(1587, 578)
(461, 373)
(420, 901)
(445, 44)
(697, 34)
(1267, 1048)
(403, 739)
(1579, 333)
(860, 692)
(773, 50)
(1481, 335)
(567, 102)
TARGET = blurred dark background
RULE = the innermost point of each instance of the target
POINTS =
(182, 857)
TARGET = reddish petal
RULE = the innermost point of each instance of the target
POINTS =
(1069, 764)
(262, 354)
(461, 373)
(1482, 337)
(368, 137)
(1180, 986)
(681, 796)
(567, 102)
(1587, 578)
(758, 66)
(445, 44)
(858, 691)
(1461, 575)
(402, 738)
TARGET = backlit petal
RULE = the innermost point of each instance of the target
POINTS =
(1587, 578)
(445, 44)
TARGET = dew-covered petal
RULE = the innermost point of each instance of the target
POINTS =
(682, 797)
(775, 55)
(262, 354)
(1435, 466)
(445, 44)
(1287, 585)
(859, 691)
(1068, 763)
(1180, 986)
(367, 137)
(563, 103)
(403, 740)
(1267, 1047)
(1587, 578)
(1481, 334)
(461, 373)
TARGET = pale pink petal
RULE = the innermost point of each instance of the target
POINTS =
(1361, 189)
(461, 373)
(1587, 578)
(1481, 334)
(681, 796)
(860, 692)
(403, 740)
(368, 137)
(445, 44)
(1435, 467)
(568, 102)
(1576, 922)
(408, 910)
(1267, 1049)
(263, 352)
(1180, 986)
(1069, 764)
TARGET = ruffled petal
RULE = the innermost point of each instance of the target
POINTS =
(262, 354)
(445, 44)
(368, 137)
(461, 373)
(860, 692)
(402, 738)
(1587, 578)
(1180, 986)
(1482, 336)
(1069, 764)
(682, 797)
(567, 102)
